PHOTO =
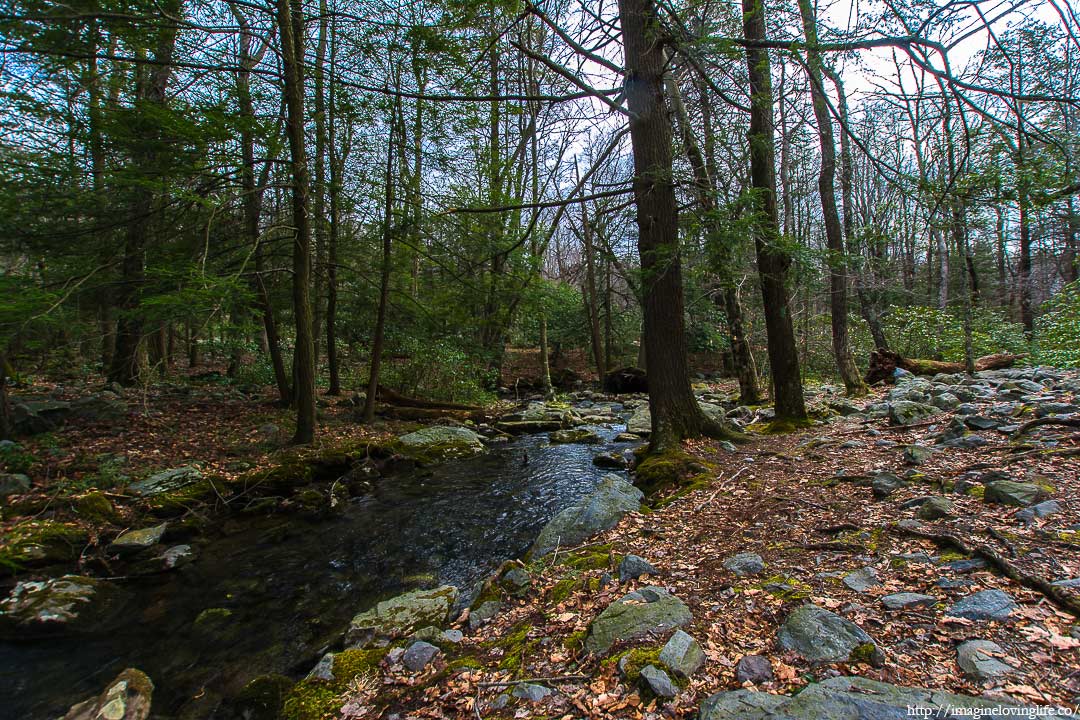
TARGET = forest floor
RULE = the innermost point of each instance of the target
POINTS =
(798, 500)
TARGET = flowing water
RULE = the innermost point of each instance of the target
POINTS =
(290, 586)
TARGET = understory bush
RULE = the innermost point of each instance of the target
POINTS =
(1057, 330)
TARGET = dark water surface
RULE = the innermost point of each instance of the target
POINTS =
(292, 585)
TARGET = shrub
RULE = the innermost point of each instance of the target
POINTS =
(1057, 330)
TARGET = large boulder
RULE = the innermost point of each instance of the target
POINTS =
(908, 412)
(440, 442)
(822, 636)
(127, 697)
(71, 604)
(401, 615)
(648, 610)
(1017, 494)
(984, 605)
(599, 510)
(844, 698)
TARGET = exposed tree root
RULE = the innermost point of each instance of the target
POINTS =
(1050, 420)
(1056, 595)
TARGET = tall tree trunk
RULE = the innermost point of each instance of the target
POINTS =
(675, 412)
(337, 160)
(384, 282)
(705, 189)
(151, 93)
(773, 259)
(834, 233)
(319, 181)
(291, 32)
(591, 305)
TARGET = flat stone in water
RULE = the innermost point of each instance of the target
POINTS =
(598, 511)
(984, 605)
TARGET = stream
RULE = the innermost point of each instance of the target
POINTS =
(282, 589)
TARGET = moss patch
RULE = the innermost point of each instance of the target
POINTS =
(310, 700)
(262, 698)
(39, 542)
(670, 471)
(592, 558)
(95, 507)
(562, 590)
(515, 645)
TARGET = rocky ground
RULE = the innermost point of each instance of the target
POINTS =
(925, 538)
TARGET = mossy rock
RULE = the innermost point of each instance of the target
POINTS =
(41, 542)
(263, 698)
(311, 700)
(785, 588)
(780, 426)
(354, 662)
(180, 501)
(95, 507)
(591, 558)
(660, 473)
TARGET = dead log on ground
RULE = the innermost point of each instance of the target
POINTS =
(389, 397)
(883, 364)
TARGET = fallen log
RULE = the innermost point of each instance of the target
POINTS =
(390, 397)
(883, 364)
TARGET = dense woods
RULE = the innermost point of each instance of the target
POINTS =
(337, 195)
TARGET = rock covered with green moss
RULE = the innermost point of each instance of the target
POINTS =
(648, 610)
(401, 615)
(600, 510)
(127, 697)
(41, 542)
(67, 604)
(440, 442)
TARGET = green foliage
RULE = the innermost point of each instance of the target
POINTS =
(1057, 330)
(438, 370)
(15, 458)
(933, 334)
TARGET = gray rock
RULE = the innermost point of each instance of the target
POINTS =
(967, 409)
(658, 682)
(1055, 408)
(440, 442)
(862, 579)
(13, 484)
(633, 567)
(885, 484)
(419, 655)
(176, 556)
(843, 698)
(935, 509)
(135, 541)
(600, 510)
(127, 697)
(167, 481)
(70, 604)
(984, 605)
(487, 610)
(981, 422)
(531, 692)
(907, 412)
(755, 669)
(574, 435)
(648, 610)
(975, 658)
(917, 454)
(610, 460)
(945, 401)
(822, 636)
(516, 582)
(907, 600)
(324, 669)
(1067, 583)
(401, 615)
(744, 564)
(452, 636)
(963, 566)
(1039, 511)
(1017, 494)
(682, 654)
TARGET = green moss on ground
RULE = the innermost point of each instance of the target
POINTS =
(262, 698)
(515, 646)
(659, 474)
(39, 542)
(596, 557)
(95, 507)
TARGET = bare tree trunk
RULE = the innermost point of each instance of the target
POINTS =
(384, 281)
(675, 412)
(773, 260)
(291, 32)
(834, 234)
(591, 304)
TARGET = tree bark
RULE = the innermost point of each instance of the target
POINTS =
(773, 259)
(384, 282)
(834, 233)
(675, 412)
(291, 32)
